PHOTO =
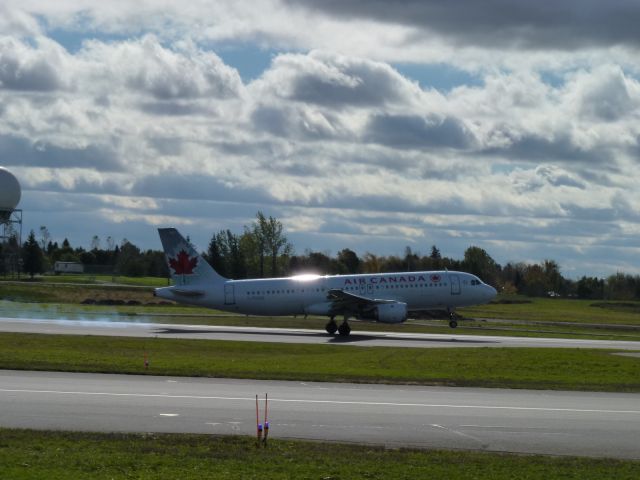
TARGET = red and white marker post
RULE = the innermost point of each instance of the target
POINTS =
(262, 430)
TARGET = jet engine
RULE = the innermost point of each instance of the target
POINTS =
(395, 312)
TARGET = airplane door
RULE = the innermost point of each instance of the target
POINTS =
(369, 289)
(229, 294)
(455, 284)
(363, 289)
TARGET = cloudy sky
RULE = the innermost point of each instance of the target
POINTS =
(373, 125)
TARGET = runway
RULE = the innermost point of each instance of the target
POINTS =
(281, 335)
(548, 422)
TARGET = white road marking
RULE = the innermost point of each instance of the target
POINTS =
(518, 430)
(169, 414)
(326, 402)
(488, 426)
(460, 434)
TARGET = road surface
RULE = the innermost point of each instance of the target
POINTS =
(282, 335)
(541, 422)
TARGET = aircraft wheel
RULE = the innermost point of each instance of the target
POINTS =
(331, 327)
(344, 329)
(453, 324)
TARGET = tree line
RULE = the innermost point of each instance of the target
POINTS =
(263, 250)
(40, 256)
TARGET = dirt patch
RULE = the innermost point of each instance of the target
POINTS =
(631, 307)
(508, 301)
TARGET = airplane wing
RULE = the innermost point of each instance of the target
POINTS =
(349, 302)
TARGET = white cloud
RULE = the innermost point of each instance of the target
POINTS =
(155, 128)
(604, 94)
(39, 68)
(145, 66)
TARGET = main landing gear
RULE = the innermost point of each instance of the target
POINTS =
(344, 329)
(332, 327)
(453, 322)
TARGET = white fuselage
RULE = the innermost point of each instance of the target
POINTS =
(307, 294)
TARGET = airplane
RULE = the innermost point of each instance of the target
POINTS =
(378, 297)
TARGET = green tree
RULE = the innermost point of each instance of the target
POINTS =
(436, 258)
(226, 255)
(66, 253)
(314, 262)
(349, 259)
(411, 259)
(590, 288)
(479, 262)
(250, 249)
(535, 281)
(621, 287)
(370, 263)
(32, 256)
(215, 256)
(513, 274)
(130, 260)
(270, 240)
(258, 230)
(553, 278)
(236, 264)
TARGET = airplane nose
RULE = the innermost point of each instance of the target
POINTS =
(491, 292)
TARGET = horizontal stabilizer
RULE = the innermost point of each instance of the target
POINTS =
(187, 293)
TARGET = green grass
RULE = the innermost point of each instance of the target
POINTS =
(83, 278)
(535, 368)
(26, 454)
(71, 294)
(559, 310)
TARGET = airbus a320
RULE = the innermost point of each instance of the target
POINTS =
(380, 297)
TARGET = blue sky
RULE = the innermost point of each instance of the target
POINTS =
(368, 125)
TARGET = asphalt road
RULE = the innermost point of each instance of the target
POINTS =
(280, 335)
(558, 423)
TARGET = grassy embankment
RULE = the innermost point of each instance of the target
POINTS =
(510, 315)
(88, 279)
(566, 369)
(28, 454)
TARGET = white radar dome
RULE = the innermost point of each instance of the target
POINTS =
(10, 191)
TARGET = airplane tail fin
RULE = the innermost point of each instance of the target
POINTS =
(186, 265)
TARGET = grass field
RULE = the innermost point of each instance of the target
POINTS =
(69, 293)
(567, 369)
(559, 310)
(100, 280)
(26, 454)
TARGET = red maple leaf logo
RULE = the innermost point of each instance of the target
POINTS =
(435, 278)
(183, 264)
